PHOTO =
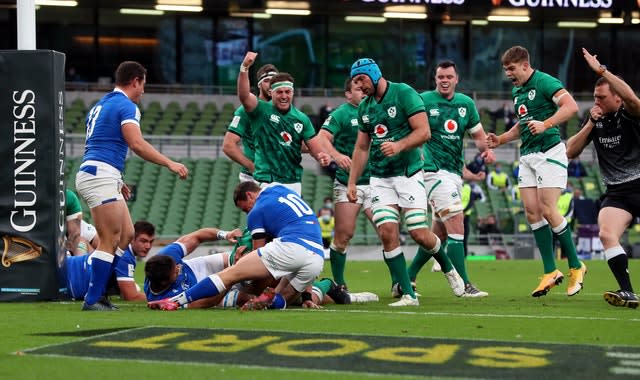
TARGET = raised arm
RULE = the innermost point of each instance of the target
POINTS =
(248, 100)
(617, 85)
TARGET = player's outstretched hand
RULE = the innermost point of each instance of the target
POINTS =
(179, 169)
(233, 236)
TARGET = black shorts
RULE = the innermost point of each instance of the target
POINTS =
(625, 196)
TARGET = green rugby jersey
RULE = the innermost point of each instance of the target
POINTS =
(343, 124)
(388, 120)
(72, 204)
(449, 120)
(241, 126)
(278, 140)
(534, 101)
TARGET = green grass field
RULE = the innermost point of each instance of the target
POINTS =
(508, 317)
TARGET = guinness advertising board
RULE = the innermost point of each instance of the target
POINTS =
(32, 187)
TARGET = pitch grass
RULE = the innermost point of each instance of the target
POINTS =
(508, 314)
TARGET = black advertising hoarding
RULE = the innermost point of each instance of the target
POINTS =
(32, 212)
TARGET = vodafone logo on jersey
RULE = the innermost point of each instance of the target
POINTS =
(450, 126)
(286, 138)
(381, 131)
(522, 110)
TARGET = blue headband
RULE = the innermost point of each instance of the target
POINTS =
(367, 66)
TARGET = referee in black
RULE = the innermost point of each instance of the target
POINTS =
(614, 128)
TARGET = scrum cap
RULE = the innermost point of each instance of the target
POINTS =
(366, 66)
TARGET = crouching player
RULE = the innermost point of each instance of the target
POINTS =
(295, 257)
(168, 274)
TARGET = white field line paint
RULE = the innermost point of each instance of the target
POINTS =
(623, 355)
(465, 315)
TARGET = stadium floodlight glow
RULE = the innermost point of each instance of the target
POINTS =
(250, 15)
(179, 5)
(577, 24)
(288, 12)
(607, 18)
(57, 3)
(477, 22)
(415, 16)
(274, 4)
(371, 19)
(405, 8)
(143, 12)
(509, 15)
(507, 18)
(611, 20)
(178, 8)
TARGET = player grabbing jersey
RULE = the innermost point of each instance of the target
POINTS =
(168, 274)
(294, 256)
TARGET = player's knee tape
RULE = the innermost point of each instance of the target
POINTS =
(386, 214)
(450, 212)
(415, 219)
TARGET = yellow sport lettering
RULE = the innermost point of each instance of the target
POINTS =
(509, 357)
(438, 354)
(152, 343)
(323, 347)
(225, 343)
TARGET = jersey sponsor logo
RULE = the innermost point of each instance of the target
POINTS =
(532, 94)
(450, 126)
(462, 111)
(297, 127)
(522, 110)
(275, 118)
(354, 122)
(326, 122)
(286, 138)
(131, 270)
(392, 112)
(365, 118)
(434, 112)
(610, 142)
(381, 131)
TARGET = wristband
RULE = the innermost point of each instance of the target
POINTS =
(306, 296)
(601, 70)
(221, 235)
(243, 68)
